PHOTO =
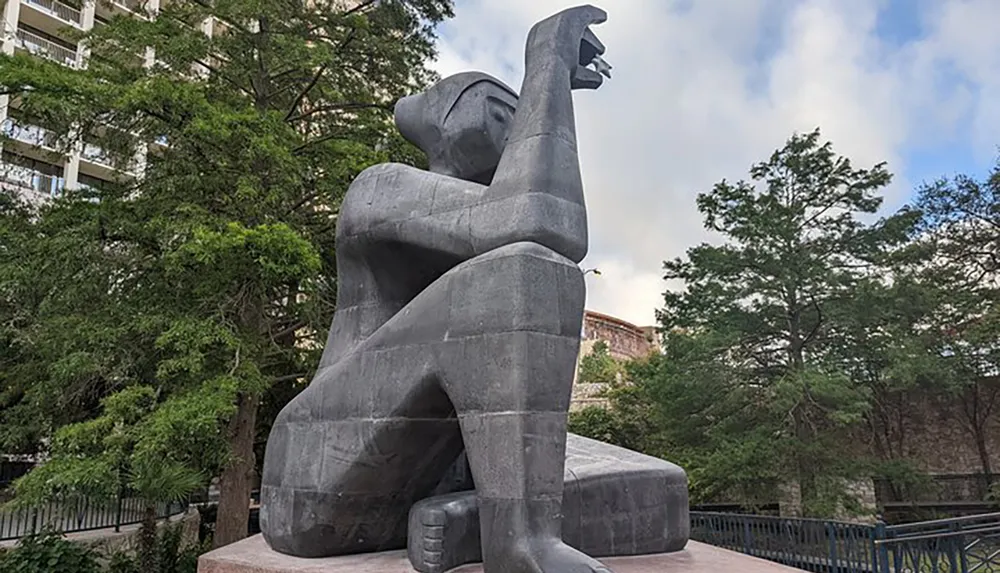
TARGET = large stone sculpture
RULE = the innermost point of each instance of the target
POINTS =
(457, 329)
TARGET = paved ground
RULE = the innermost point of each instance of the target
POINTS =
(254, 556)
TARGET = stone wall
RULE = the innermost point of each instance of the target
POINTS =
(936, 438)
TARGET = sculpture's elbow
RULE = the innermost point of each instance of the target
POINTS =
(572, 247)
(539, 218)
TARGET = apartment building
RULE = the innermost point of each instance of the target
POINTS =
(31, 162)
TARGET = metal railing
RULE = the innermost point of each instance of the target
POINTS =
(61, 11)
(963, 545)
(137, 7)
(809, 544)
(29, 179)
(80, 515)
(39, 46)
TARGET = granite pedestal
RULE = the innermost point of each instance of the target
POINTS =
(254, 556)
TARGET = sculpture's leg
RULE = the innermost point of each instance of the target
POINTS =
(616, 502)
(508, 367)
(348, 457)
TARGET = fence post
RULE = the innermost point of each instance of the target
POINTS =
(118, 511)
(880, 550)
(746, 537)
(34, 520)
(831, 541)
(957, 551)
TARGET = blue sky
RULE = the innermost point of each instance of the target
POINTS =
(702, 89)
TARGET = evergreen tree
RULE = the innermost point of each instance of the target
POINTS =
(157, 312)
(745, 379)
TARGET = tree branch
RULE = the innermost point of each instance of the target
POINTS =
(337, 107)
(302, 95)
(289, 330)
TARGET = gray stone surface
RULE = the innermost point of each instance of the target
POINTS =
(460, 305)
(616, 502)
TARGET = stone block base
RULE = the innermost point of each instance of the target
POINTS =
(254, 556)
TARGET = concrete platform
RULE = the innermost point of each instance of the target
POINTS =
(252, 555)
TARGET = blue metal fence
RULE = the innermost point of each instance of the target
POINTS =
(78, 515)
(963, 545)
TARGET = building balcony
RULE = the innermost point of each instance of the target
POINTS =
(97, 155)
(97, 162)
(137, 7)
(26, 179)
(107, 9)
(58, 10)
(32, 135)
(39, 46)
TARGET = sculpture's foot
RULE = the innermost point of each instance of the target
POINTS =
(522, 536)
(544, 556)
(444, 532)
(615, 503)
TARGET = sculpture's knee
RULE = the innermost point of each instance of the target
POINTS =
(516, 288)
(322, 524)
(295, 522)
(514, 331)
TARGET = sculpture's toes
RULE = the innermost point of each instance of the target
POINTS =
(444, 533)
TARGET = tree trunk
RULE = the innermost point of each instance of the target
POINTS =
(984, 456)
(147, 538)
(237, 479)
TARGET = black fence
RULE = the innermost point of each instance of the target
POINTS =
(80, 514)
(962, 545)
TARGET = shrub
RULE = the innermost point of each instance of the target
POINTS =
(170, 555)
(46, 553)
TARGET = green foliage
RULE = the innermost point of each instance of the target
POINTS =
(994, 494)
(747, 392)
(46, 553)
(607, 425)
(955, 348)
(172, 556)
(137, 316)
(598, 367)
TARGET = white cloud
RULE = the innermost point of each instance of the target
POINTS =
(703, 89)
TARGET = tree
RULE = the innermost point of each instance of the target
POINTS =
(206, 284)
(625, 420)
(958, 349)
(599, 367)
(748, 332)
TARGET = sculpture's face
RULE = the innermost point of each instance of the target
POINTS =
(475, 132)
(461, 123)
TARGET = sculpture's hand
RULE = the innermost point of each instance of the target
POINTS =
(566, 37)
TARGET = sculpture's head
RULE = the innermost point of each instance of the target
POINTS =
(461, 123)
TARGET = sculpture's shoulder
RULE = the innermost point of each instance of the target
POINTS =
(387, 170)
(393, 191)
(387, 178)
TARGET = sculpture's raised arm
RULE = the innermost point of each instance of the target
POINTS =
(468, 126)
(540, 162)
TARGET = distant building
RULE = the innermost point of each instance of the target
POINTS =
(625, 341)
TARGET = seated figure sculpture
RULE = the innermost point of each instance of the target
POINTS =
(457, 328)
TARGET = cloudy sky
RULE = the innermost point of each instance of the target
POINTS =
(702, 89)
